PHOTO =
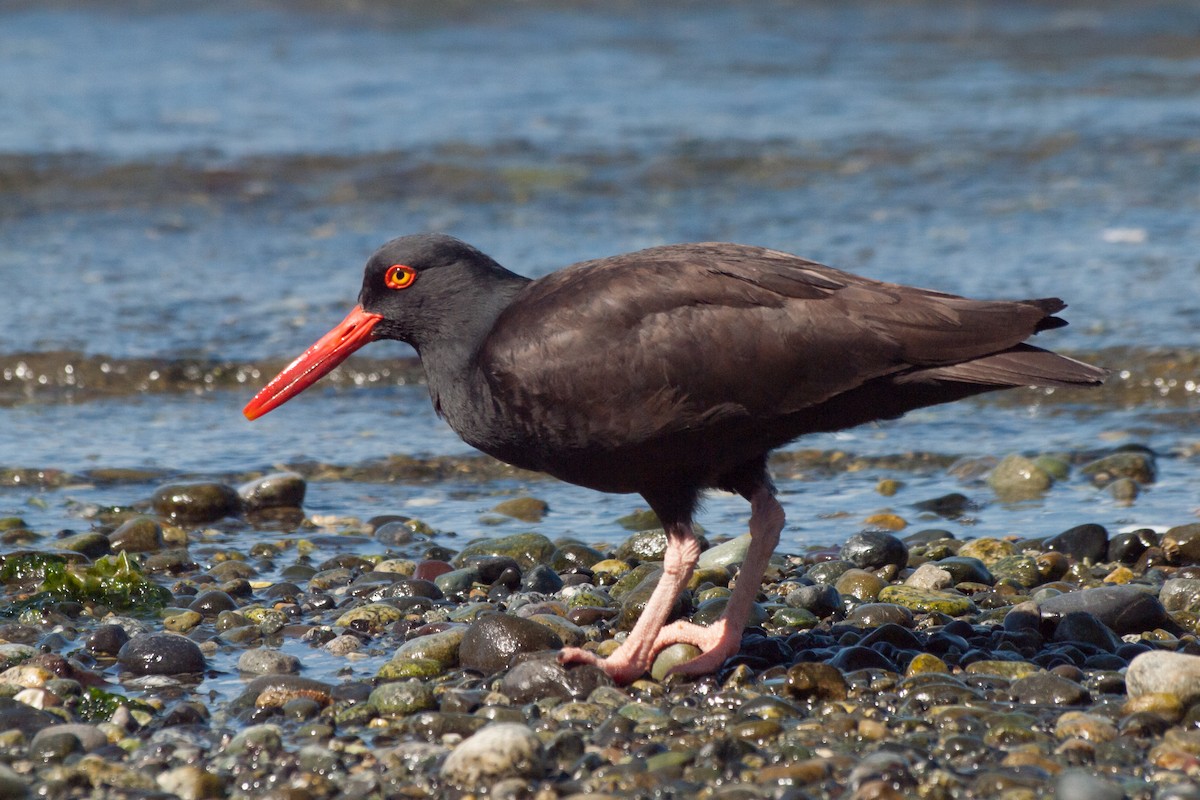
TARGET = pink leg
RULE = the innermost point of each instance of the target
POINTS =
(723, 638)
(633, 658)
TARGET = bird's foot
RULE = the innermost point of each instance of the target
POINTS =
(717, 642)
(624, 665)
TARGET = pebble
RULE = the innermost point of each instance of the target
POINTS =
(137, 535)
(276, 490)
(874, 549)
(1162, 672)
(195, 503)
(265, 661)
(1019, 478)
(490, 642)
(1124, 609)
(161, 654)
(503, 750)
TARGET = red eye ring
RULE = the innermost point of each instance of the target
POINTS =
(399, 276)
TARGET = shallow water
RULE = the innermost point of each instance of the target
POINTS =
(205, 194)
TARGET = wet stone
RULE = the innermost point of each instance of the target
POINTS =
(442, 646)
(1080, 626)
(574, 557)
(964, 569)
(1181, 594)
(874, 549)
(725, 554)
(815, 681)
(827, 572)
(92, 544)
(106, 640)
(525, 509)
(492, 640)
(1019, 478)
(860, 583)
(821, 599)
(539, 675)
(986, 550)
(1182, 543)
(161, 654)
(373, 617)
(194, 503)
(1162, 672)
(871, 615)
(1124, 609)
(1126, 547)
(527, 549)
(502, 750)
(403, 698)
(1019, 569)
(265, 661)
(647, 545)
(212, 602)
(670, 657)
(1045, 688)
(1138, 466)
(137, 535)
(277, 490)
(926, 600)
(930, 576)
(1087, 543)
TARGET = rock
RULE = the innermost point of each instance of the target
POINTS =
(670, 657)
(106, 640)
(191, 782)
(816, 681)
(871, 615)
(647, 545)
(12, 785)
(942, 602)
(1018, 569)
(948, 506)
(574, 557)
(92, 544)
(1124, 609)
(196, 503)
(821, 599)
(538, 676)
(441, 647)
(987, 550)
(161, 654)
(265, 661)
(726, 553)
(1182, 543)
(1019, 478)
(402, 698)
(1137, 465)
(860, 583)
(1046, 688)
(527, 549)
(1163, 672)
(1080, 626)
(137, 535)
(277, 490)
(1078, 784)
(541, 579)
(525, 509)
(874, 549)
(1126, 547)
(87, 737)
(491, 641)
(1181, 594)
(497, 751)
(930, 576)
(212, 602)
(965, 569)
(370, 618)
(1087, 543)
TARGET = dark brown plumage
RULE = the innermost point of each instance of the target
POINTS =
(676, 369)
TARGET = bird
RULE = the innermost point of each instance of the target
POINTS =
(675, 370)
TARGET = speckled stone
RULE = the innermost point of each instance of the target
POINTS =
(950, 603)
(1159, 671)
(503, 750)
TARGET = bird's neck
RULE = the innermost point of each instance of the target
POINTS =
(450, 358)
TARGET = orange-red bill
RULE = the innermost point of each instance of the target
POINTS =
(329, 351)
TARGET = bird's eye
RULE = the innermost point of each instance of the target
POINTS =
(399, 276)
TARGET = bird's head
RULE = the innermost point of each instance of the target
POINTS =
(413, 289)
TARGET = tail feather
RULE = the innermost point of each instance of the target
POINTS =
(1023, 365)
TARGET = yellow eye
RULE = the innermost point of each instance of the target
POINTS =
(399, 276)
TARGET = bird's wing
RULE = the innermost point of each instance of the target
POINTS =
(680, 336)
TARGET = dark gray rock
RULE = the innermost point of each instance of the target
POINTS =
(1087, 543)
(874, 549)
(491, 641)
(1124, 609)
(161, 654)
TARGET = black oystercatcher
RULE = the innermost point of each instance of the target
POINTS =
(673, 370)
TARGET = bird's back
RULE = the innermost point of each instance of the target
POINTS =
(700, 355)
